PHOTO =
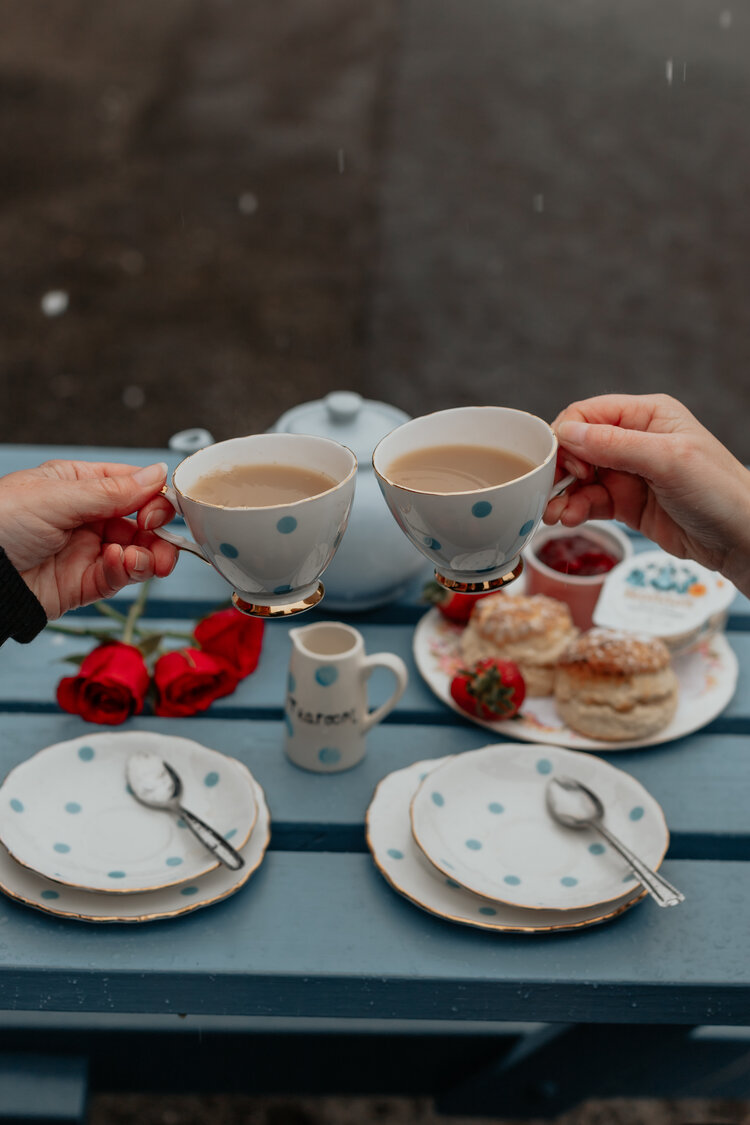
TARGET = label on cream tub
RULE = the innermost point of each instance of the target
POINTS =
(656, 593)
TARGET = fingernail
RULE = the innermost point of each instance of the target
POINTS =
(141, 561)
(572, 433)
(151, 520)
(574, 467)
(152, 474)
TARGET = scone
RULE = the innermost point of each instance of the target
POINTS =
(613, 685)
(531, 631)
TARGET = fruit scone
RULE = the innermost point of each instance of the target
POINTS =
(531, 631)
(613, 685)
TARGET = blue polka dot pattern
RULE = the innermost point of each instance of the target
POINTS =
(288, 723)
(286, 525)
(189, 891)
(636, 813)
(496, 807)
(629, 877)
(72, 807)
(328, 755)
(283, 589)
(174, 860)
(211, 779)
(475, 845)
(489, 910)
(50, 894)
(512, 880)
(544, 765)
(394, 853)
(481, 509)
(180, 822)
(452, 883)
(116, 874)
(228, 835)
(438, 799)
(228, 551)
(62, 848)
(432, 543)
(16, 805)
(527, 527)
(326, 675)
(597, 849)
(86, 753)
(569, 881)
(291, 683)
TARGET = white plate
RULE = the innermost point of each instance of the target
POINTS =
(85, 906)
(67, 814)
(707, 676)
(404, 866)
(481, 819)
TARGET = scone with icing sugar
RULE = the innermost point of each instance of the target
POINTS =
(613, 685)
(532, 631)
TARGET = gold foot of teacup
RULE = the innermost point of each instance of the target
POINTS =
(480, 587)
(279, 609)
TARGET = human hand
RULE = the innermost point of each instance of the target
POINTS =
(62, 526)
(647, 461)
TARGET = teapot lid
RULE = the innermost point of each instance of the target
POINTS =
(356, 422)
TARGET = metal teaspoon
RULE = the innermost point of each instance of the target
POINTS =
(158, 786)
(574, 805)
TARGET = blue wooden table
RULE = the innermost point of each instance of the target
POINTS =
(317, 976)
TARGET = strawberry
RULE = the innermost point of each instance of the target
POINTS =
(456, 607)
(491, 690)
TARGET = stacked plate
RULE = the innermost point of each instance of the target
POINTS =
(79, 845)
(469, 838)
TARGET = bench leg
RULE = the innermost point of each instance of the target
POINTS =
(42, 1089)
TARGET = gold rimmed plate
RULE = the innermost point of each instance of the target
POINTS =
(407, 870)
(67, 813)
(34, 890)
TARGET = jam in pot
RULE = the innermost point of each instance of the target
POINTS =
(576, 555)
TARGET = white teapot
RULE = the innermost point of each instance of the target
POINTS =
(375, 563)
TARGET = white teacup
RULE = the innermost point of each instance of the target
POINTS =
(474, 539)
(272, 557)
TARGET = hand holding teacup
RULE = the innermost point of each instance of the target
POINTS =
(469, 487)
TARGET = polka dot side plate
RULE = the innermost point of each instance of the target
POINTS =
(481, 820)
(67, 813)
(147, 906)
(410, 873)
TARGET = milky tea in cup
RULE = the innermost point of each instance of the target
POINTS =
(267, 512)
(469, 487)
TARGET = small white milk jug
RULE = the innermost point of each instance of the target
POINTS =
(327, 716)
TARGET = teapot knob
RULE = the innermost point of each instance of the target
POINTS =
(343, 406)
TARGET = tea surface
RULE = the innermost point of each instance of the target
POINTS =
(259, 486)
(457, 468)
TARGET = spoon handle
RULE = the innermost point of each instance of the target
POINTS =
(215, 843)
(657, 886)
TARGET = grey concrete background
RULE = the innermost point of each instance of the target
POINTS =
(432, 202)
(429, 201)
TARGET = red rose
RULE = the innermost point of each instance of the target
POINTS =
(110, 686)
(190, 680)
(232, 636)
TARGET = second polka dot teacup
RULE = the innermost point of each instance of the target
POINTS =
(473, 534)
(273, 555)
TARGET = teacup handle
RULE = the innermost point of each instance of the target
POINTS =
(397, 666)
(178, 541)
(561, 485)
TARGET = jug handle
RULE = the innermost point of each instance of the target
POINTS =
(396, 665)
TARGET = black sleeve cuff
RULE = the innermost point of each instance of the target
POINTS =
(21, 615)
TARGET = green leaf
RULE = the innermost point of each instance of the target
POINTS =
(150, 644)
(74, 658)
